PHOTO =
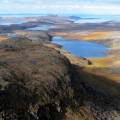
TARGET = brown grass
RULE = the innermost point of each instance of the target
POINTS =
(84, 113)
(95, 73)
(68, 35)
(87, 36)
(98, 77)
(3, 38)
(101, 80)
(113, 52)
(106, 61)
(110, 82)
(97, 35)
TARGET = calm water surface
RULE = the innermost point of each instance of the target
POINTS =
(12, 35)
(21, 15)
(96, 18)
(81, 48)
(86, 18)
(12, 22)
(39, 28)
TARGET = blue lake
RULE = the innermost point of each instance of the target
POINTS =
(21, 15)
(12, 35)
(39, 28)
(12, 22)
(81, 48)
(96, 18)
(86, 18)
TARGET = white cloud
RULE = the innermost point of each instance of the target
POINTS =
(88, 6)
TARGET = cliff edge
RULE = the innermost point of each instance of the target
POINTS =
(39, 83)
(35, 81)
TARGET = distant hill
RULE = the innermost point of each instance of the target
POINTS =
(75, 17)
(1, 18)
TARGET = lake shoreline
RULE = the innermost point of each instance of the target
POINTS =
(101, 33)
(76, 47)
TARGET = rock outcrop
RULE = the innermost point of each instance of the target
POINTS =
(102, 105)
(39, 83)
(35, 36)
(35, 82)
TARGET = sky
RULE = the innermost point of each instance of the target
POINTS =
(60, 6)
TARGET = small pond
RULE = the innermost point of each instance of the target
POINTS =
(39, 28)
(12, 35)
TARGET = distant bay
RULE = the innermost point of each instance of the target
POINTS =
(85, 18)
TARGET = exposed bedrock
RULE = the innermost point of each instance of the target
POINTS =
(102, 105)
(36, 82)
(38, 36)
(39, 83)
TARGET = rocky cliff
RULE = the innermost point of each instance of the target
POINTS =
(39, 83)
(35, 81)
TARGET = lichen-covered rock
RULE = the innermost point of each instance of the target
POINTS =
(34, 81)
(39, 83)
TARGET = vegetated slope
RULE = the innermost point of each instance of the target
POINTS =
(39, 83)
(36, 82)
(100, 92)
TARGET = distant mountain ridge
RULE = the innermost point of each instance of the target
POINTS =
(75, 17)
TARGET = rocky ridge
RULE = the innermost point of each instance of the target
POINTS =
(35, 36)
(35, 81)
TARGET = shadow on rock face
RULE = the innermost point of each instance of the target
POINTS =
(35, 81)
(39, 83)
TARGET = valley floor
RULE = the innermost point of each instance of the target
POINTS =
(103, 72)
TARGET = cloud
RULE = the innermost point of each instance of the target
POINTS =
(76, 6)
